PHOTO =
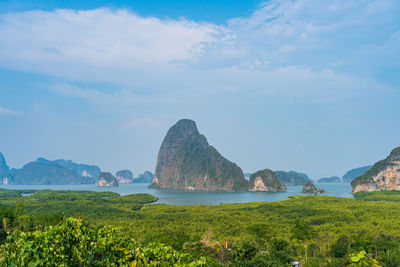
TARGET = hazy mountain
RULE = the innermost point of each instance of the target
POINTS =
(354, 173)
(292, 178)
(37, 173)
(84, 170)
(333, 179)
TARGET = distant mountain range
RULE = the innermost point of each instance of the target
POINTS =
(43, 171)
(186, 161)
(60, 171)
(89, 171)
(38, 173)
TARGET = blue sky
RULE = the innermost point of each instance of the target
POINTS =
(305, 85)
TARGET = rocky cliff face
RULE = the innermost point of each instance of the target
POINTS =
(310, 188)
(354, 173)
(265, 181)
(292, 178)
(333, 179)
(106, 179)
(384, 175)
(124, 177)
(186, 161)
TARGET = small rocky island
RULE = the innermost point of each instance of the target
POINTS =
(384, 175)
(292, 178)
(124, 177)
(106, 179)
(265, 181)
(146, 177)
(310, 188)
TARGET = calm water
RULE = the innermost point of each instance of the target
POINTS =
(184, 197)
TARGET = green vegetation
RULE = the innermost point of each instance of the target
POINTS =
(74, 243)
(379, 195)
(315, 230)
(94, 205)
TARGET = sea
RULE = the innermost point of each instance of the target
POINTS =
(178, 197)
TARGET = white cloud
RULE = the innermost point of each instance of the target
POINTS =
(54, 41)
(315, 33)
(281, 42)
(6, 111)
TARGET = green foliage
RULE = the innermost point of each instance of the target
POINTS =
(302, 231)
(379, 195)
(243, 251)
(139, 198)
(91, 204)
(74, 243)
(361, 259)
(390, 258)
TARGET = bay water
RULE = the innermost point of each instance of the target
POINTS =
(178, 197)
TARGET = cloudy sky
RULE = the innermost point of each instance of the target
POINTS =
(305, 85)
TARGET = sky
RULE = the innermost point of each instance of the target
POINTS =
(304, 85)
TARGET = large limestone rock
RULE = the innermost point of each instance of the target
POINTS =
(106, 179)
(384, 175)
(187, 162)
(310, 188)
(265, 181)
(124, 177)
